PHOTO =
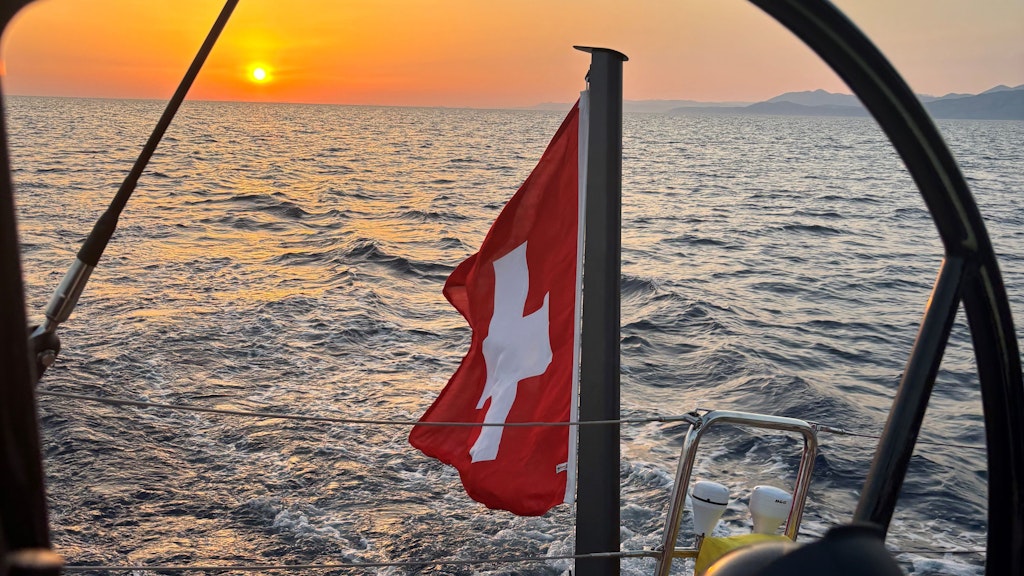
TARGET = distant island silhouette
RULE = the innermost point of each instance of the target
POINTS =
(998, 103)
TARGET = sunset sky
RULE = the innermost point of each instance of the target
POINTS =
(486, 54)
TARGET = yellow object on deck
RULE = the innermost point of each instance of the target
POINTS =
(714, 548)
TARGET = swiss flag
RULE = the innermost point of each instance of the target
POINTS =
(520, 295)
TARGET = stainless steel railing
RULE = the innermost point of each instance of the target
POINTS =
(699, 424)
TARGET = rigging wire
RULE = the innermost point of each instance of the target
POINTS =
(938, 551)
(344, 420)
(422, 563)
(362, 565)
(399, 422)
(844, 432)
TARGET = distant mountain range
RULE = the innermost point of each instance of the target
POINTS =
(999, 103)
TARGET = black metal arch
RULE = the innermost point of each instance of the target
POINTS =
(969, 273)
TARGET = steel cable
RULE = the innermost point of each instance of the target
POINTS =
(399, 422)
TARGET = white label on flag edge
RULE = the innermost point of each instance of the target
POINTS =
(574, 399)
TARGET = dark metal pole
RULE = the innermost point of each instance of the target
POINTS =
(23, 520)
(889, 468)
(45, 342)
(24, 528)
(597, 493)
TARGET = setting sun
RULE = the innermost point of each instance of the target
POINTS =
(259, 74)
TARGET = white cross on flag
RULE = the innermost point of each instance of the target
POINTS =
(520, 294)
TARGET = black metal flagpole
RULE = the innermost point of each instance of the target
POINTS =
(597, 492)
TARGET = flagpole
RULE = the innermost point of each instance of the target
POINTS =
(597, 493)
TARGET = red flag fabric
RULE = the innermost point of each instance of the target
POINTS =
(518, 294)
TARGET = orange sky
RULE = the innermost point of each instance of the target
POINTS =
(486, 54)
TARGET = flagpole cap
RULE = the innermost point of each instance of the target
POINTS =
(613, 53)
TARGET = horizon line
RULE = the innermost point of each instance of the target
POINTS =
(537, 106)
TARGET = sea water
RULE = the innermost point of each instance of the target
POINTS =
(290, 258)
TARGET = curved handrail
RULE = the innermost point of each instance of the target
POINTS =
(976, 280)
